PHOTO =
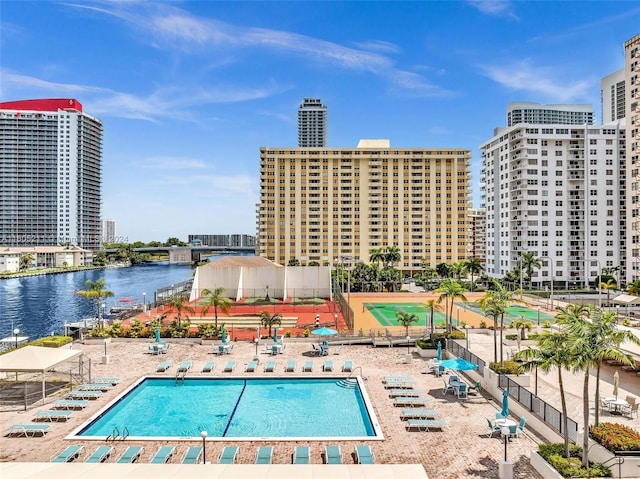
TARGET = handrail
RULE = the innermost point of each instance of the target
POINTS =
(114, 434)
(125, 433)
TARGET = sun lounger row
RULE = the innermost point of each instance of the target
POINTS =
(252, 366)
(194, 455)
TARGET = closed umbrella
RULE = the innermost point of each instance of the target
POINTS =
(275, 335)
(157, 335)
(458, 364)
(505, 403)
(616, 382)
(439, 351)
(224, 335)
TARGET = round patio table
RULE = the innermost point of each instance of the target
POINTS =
(616, 405)
(506, 422)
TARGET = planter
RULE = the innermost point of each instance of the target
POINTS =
(426, 353)
(545, 469)
(597, 453)
(105, 340)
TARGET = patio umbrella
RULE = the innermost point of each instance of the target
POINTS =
(275, 335)
(459, 364)
(505, 403)
(439, 351)
(324, 332)
(157, 335)
(616, 382)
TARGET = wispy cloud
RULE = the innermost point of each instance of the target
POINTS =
(173, 163)
(495, 8)
(545, 81)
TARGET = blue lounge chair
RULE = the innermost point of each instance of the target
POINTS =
(404, 392)
(28, 430)
(101, 454)
(418, 414)
(69, 454)
(228, 455)
(251, 366)
(185, 366)
(52, 415)
(301, 455)
(192, 456)
(426, 424)
(95, 386)
(264, 455)
(332, 455)
(410, 401)
(208, 366)
(290, 367)
(130, 455)
(230, 366)
(108, 380)
(327, 365)
(347, 367)
(163, 366)
(270, 367)
(364, 455)
(70, 403)
(307, 367)
(163, 455)
(78, 394)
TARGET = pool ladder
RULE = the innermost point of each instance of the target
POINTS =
(180, 376)
(115, 434)
(351, 381)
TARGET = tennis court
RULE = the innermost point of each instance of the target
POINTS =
(513, 313)
(385, 313)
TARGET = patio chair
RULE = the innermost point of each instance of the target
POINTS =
(513, 432)
(264, 454)
(251, 366)
(68, 455)
(307, 367)
(185, 366)
(274, 349)
(347, 367)
(301, 455)
(163, 366)
(364, 454)
(461, 391)
(315, 349)
(208, 366)
(332, 455)
(53, 415)
(605, 407)
(447, 387)
(101, 454)
(229, 367)
(476, 388)
(629, 410)
(163, 455)
(192, 456)
(327, 365)
(290, 367)
(130, 455)
(492, 428)
(630, 399)
(270, 367)
(228, 455)
(28, 430)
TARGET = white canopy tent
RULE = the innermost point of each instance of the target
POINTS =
(626, 299)
(35, 359)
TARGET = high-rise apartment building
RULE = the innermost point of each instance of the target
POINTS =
(50, 174)
(632, 118)
(327, 204)
(232, 240)
(612, 97)
(535, 113)
(558, 192)
(312, 124)
(477, 234)
(109, 231)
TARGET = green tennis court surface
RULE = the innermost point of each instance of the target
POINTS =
(385, 313)
(513, 313)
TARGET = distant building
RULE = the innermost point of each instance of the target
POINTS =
(330, 205)
(535, 113)
(50, 174)
(44, 257)
(312, 123)
(109, 231)
(632, 118)
(229, 240)
(476, 235)
(612, 97)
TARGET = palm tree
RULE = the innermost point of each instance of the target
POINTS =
(494, 303)
(26, 259)
(214, 298)
(267, 320)
(443, 270)
(474, 267)
(180, 302)
(458, 270)
(294, 262)
(450, 290)
(376, 255)
(551, 353)
(406, 319)
(634, 288)
(609, 285)
(392, 256)
(431, 304)
(96, 290)
(521, 325)
(528, 262)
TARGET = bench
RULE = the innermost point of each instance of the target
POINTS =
(426, 424)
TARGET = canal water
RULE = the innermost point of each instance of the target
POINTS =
(40, 305)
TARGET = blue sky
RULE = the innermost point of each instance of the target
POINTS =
(189, 91)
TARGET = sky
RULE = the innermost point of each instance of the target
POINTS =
(188, 91)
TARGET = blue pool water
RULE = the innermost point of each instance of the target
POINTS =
(237, 408)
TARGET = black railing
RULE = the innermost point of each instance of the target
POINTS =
(461, 352)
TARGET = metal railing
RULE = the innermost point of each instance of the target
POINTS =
(461, 352)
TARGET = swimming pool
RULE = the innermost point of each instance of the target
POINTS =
(239, 409)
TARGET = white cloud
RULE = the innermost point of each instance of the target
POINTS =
(495, 8)
(523, 76)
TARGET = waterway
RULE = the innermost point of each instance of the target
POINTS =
(40, 305)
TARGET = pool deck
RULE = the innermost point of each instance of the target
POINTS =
(461, 450)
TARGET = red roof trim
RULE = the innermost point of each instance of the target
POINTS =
(48, 104)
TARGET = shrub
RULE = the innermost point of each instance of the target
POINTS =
(207, 330)
(546, 324)
(483, 325)
(456, 334)
(511, 337)
(425, 344)
(507, 367)
(135, 328)
(51, 341)
(287, 333)
(571, 467)
(306, 333)
(615, 437)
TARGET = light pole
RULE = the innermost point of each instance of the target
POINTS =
(102, 315)
(144, 302)
(538, 317)
(458, 316)
(16, 332)
(256, 341)
(266, 298)
(552, 278)
(466, 327)
(408, 344)
(506, 468)
(203, 434)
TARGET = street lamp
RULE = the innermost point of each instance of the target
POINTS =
(144, 302)
(203, 434)
(266, 298)
(408, 344)
(16, 332)
(256, 341)
(102, 316)
(538, 317)
(506, 468)
(466, 327)
(505, 434)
